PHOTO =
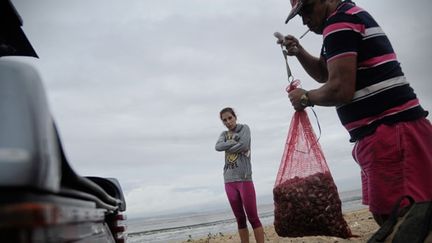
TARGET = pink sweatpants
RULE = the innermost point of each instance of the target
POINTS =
(396, 160)
(241, 195)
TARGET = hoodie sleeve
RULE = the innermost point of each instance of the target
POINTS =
(243, 145)
(222, 144)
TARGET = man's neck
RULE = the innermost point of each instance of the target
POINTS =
(332, 7)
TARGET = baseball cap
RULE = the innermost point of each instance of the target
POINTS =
(296, 6)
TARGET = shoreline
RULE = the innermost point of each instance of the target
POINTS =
(186, 227)
(360, 222)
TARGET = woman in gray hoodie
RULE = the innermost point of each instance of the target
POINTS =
(238, 175)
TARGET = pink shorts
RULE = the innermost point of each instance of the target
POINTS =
(396, 160)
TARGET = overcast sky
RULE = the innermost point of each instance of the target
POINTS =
(136, 87)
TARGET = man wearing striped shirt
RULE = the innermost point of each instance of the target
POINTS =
(363, 79)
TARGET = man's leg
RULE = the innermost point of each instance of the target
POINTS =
(380, 156)
(380, 218)
(400, 163)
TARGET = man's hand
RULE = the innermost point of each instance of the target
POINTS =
(295, 96)
(290, 43)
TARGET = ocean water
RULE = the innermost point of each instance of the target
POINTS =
(181, 227)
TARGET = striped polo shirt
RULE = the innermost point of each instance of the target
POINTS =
(382, 93)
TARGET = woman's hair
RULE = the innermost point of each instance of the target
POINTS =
(227, 109)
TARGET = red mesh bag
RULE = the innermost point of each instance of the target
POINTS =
(305, 196)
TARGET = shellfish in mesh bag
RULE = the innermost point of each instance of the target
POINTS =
(309, 206)
(305, 196)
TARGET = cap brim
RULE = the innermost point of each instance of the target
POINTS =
(294, 11)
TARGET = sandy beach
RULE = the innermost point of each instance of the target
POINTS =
(361, 223)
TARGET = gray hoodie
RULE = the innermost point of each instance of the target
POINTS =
(237, 153)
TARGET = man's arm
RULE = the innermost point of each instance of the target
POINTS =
(338, 90)
(315, 67)
(340, 87)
